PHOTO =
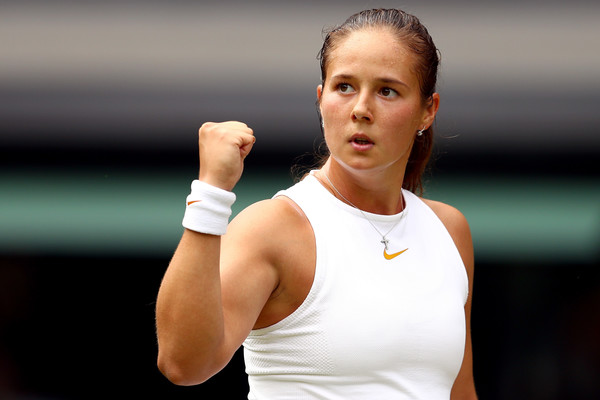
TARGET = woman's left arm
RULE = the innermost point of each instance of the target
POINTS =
(457, 226)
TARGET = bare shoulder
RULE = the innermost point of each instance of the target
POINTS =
(268, 249)
(267, 219)
(264, 233)
(451, 217)
(458, 227)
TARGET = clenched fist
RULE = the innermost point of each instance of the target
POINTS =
(223, 147)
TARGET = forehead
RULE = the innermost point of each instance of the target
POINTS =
(372, 48)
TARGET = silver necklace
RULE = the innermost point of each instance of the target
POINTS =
(384, 240)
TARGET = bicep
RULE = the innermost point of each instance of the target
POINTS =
(248, 274)
(464, 385)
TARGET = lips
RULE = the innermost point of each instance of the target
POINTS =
(361, 139)
(361, 142)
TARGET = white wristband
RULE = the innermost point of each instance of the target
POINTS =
(208, 209)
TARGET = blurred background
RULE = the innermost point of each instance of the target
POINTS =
(100, 103)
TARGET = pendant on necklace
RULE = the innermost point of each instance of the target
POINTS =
(385, 242)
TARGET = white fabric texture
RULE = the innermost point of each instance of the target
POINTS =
(208, 208)
(370, 328)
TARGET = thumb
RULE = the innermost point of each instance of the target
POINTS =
(247, 143)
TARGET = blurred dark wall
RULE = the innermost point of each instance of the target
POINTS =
(99, 108)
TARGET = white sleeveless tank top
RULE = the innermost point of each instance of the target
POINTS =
(370, 328)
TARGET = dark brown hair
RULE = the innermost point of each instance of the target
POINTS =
(409, 31)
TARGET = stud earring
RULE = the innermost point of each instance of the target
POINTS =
(420, 132)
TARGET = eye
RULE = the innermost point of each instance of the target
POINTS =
(388, 92)
(345, 88)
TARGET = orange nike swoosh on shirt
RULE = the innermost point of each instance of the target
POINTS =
(193, 201)
(391, 256)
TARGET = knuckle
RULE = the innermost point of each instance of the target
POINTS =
(204, 128)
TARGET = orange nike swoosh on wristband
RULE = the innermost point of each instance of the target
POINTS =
(193, 201)
(390, 256)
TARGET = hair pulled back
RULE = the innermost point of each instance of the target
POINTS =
(410, 32)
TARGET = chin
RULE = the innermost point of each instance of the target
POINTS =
(359, 164)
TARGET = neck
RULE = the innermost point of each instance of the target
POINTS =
(374, 192)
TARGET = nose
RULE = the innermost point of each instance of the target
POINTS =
(362, 109)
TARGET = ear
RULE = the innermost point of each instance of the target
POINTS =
(319, 95)
(431, 110)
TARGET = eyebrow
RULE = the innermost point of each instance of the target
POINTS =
(383, 79)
